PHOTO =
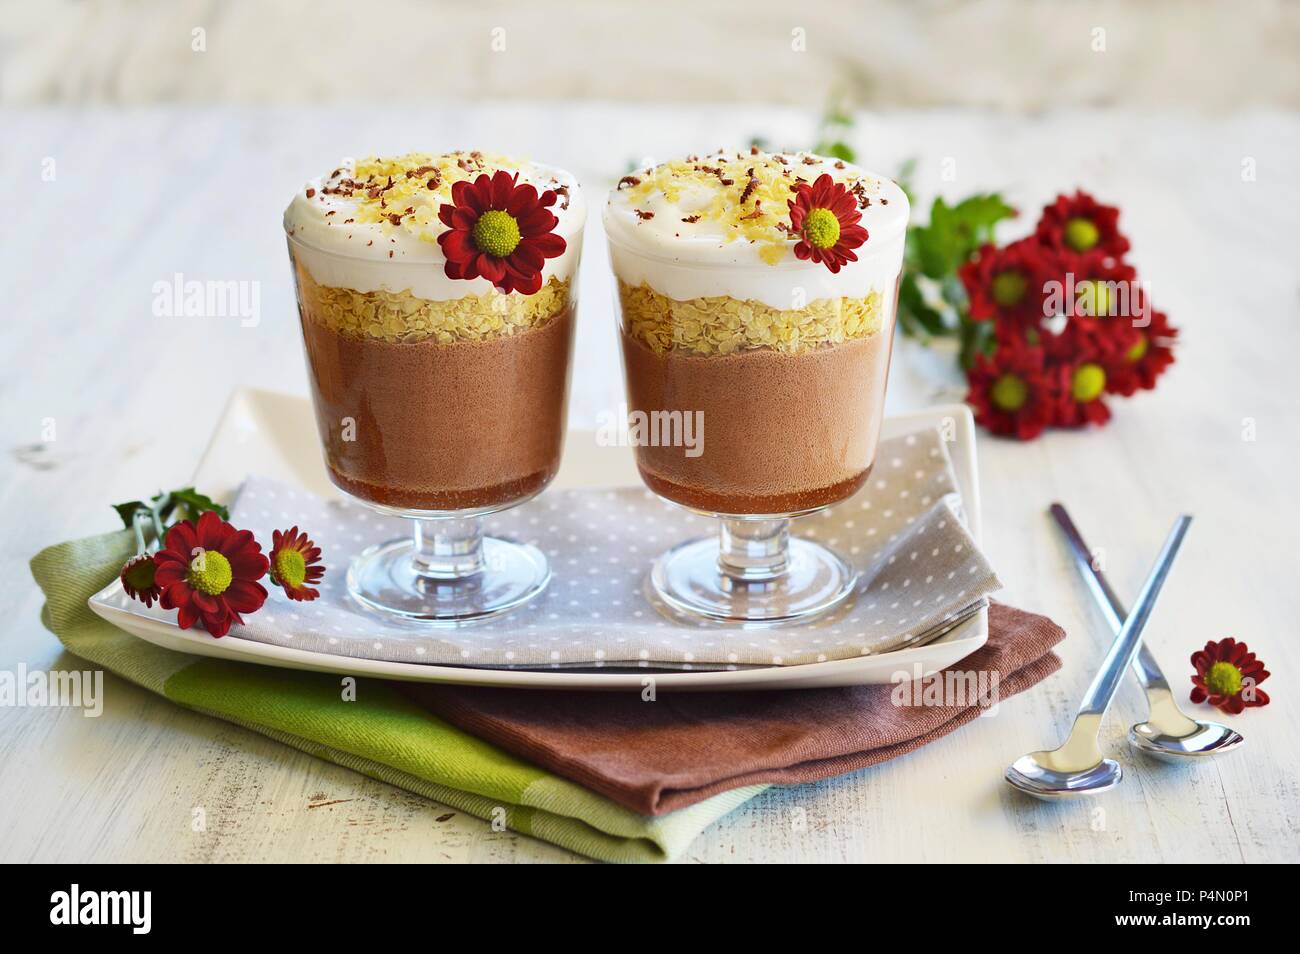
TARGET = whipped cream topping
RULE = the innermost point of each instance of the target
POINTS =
(373, 224)
(719, 225)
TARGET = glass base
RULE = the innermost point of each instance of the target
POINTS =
(394, 580)
(694, 579)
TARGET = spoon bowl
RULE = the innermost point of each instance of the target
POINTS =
(1032, 777)
(1077, 767)
(1209, 738)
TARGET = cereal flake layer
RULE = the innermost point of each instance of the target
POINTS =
(400, 317)
(724, 325)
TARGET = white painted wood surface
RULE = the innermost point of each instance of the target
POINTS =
(139, 196)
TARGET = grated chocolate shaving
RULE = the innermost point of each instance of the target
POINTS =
(643, 215)
(750, 186)
(691, 219)
(629, 181)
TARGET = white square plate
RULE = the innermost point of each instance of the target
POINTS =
(274, 435)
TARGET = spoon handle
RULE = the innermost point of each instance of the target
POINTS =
(1126, 644)
(1144, 665)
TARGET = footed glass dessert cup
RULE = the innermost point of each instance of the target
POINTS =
(756, 295)
(436, 297)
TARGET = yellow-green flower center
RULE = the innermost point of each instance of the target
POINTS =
(496, 233)
(1088, 382)
(1139, 350)
(1081, 234)
(821, 228)
(1094, 298)
(1009, 392)
(290, 568)
(210, 572)
(140, 574)
(1223, 679)
(1009, 288)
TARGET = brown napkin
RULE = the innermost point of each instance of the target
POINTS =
(656, 757)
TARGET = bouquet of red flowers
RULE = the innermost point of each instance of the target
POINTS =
(1049, 326)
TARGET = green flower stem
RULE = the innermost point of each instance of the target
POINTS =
(155, 512)
(137, 524)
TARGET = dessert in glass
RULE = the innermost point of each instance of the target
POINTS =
(757, 294)
(436, 295)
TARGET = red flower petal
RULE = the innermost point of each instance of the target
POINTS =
(244, 596)
(529, 284)
(168, 571)
(524, 198)
(465, 195)
(527, 258)
(493, 269)
(549, 245)
(186, 616)
(181, 538)
(249, 566)
(503, 187)
(456, 245)
(217, 624)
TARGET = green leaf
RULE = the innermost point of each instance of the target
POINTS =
(127, 511)
(916, 316)
(183, 504)
(953, 234)
(976, 338)
(191, 504)
(840, 150)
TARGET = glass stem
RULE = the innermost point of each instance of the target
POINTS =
(448, 549)
(754, 550)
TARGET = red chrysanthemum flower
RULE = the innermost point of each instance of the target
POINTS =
(824, 217)
(500, 230)
(1228, 676)
(1148, 352)
(1011, 392)
(1088, 339)
(209, 573)
(1009, 284)
(1099, 302)
(295, 562)
(1080, 385)
(1103, 290)
(1079, 223)
(139, 579)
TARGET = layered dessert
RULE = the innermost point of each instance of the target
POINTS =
(436, 295)
(757, 290)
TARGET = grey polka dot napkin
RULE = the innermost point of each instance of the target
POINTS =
(904, 530)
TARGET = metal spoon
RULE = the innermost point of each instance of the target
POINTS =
(1168, 733)
(1077, 766)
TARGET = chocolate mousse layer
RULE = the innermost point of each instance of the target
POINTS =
(783, 433)
(427, 425)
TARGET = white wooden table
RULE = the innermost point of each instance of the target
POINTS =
(129, 399)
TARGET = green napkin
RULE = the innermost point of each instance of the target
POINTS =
(381, 734)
